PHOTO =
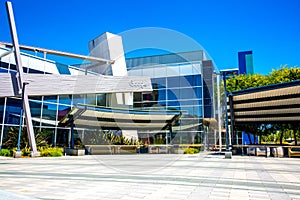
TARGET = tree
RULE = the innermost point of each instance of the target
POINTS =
(277, 132)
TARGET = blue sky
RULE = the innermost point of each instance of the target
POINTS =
(270, 28)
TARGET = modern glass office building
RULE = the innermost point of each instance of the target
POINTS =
(181, 82)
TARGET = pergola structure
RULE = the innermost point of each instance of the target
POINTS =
(117, 119)
(278, 103)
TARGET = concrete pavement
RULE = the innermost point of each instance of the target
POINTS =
(146, 176)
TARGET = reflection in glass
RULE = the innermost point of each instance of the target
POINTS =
(13, 109)
(63, 111)
(49, 111)
(52, 99)
(65, 99)
(35, 108)
(101, 99)
(91, 99)
(1, 109)
(158, 83)
(78, 99)
(173, 82)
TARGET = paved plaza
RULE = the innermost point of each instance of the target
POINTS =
(146, 176)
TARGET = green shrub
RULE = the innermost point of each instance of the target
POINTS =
(5, 152)
(51, 152)
(26, 151)
(191, 151)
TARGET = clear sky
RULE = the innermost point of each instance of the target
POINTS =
(270, 28)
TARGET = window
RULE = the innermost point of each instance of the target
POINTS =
(52, 99)
(49, 111)
(1, 109)
(13, 110)
(173, 82)
(35, 108)
(101, 99)
(158, 83)
(65, 99)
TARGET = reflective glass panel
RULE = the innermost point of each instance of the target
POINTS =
(91, 99)
(49, 111)
(65, 99)
(1, 109)
(78, 99)
(173, 82)
(13, 110)
(63, 111)
(101, 99)
(173, 94)
(158, 83)
(35, 108)
(52, 99)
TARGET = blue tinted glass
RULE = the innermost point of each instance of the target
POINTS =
(65, 99)
(158, 83)
(173, 82)
(3, 70)
(191, 80)
(197, 80)
(78, 99)
(49, 111)
(35, 108)
(161, 95)
(198, 111)
(173, 94)
(189, 102)
(90, 99)
(1, 109)
(198, 92)
(173, 103)
(52, 99)
(187, 81)
(162, 102)
(13, 110)
(188, 110)
(187, 93)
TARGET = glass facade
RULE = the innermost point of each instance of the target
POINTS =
(46, 111)
(178, 84)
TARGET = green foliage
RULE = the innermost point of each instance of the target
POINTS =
(241, 82)
(5, 152)
(11, 139)
(191, 151)
(159, 140)
(26, 151)
(51, 152)
(110, 138)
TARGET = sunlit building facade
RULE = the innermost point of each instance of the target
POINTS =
(181, 82)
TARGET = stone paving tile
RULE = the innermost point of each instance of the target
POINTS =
(152, 177)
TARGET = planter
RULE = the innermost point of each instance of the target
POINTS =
(74, 152)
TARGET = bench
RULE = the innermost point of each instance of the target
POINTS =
(294, 152)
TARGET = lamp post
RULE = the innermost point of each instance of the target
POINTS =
(18, 151)
(226, 73)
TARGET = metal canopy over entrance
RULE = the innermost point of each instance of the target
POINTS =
(118, 119)
(278, 103)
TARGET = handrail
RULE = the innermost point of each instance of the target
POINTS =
(60, 53)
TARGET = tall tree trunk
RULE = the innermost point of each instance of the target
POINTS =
(260, 136)
(281, 137)
(295, 136)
